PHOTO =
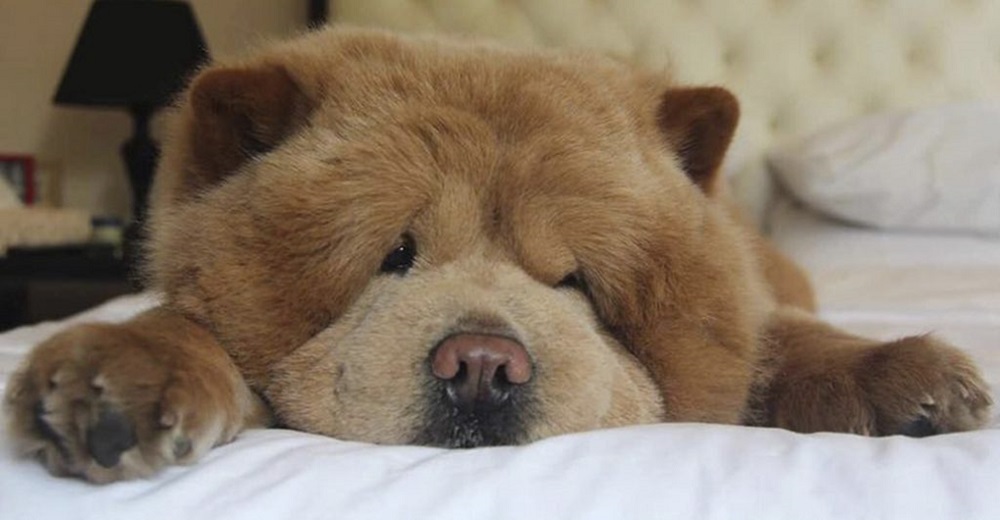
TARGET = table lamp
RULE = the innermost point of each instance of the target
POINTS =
(134, 54)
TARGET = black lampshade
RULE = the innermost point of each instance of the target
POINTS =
(132, 52)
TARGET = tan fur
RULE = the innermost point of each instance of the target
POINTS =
(289, 176)
(830, 380)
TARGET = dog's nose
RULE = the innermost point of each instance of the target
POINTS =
(480, 369)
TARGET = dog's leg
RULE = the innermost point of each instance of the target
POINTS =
(824, 379)
(111, 402)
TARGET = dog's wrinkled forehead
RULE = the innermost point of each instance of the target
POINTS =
(464, 180)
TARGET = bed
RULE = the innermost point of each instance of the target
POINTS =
(798, 67)
(663, 471)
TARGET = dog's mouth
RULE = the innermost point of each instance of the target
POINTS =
(486, 422)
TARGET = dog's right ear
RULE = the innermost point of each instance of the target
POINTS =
(234, 114)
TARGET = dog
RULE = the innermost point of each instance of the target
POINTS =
(434, 241)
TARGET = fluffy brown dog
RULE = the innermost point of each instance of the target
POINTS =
(418, 240)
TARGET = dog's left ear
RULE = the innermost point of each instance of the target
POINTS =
(699, 124)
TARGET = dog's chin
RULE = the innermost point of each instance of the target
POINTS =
(446, 425)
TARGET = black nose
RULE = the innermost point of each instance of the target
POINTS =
(480, 370)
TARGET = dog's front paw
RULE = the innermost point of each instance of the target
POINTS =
(108, 402)
(920, 386)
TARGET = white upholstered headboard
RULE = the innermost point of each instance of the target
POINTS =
(796, 65)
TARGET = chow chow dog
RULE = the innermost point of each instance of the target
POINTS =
(422, 240)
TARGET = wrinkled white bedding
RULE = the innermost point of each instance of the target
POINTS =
(881, 285)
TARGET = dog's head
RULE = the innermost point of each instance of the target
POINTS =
(423, 241)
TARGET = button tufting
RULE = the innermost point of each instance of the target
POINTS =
(873, 103)
(917, 54)
(733, 56)
(776, 122)
(823, 56)
(922, 55)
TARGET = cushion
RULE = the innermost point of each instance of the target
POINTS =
(933, 169)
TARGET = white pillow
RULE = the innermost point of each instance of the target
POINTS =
(934, 169)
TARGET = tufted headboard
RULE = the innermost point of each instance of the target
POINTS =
(796, 65)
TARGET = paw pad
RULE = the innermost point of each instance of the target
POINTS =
(921, 427)
(182, 447)
(109, 437)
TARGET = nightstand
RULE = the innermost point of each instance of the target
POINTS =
(40, 284)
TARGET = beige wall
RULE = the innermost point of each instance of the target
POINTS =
(81, 145)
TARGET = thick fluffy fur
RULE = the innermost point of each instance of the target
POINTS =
(568, 203)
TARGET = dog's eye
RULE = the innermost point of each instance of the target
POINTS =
(400, 259)
(574, 281)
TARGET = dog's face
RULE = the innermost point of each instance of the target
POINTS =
(419, 242)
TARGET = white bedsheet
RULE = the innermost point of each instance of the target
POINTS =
(663, 471)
